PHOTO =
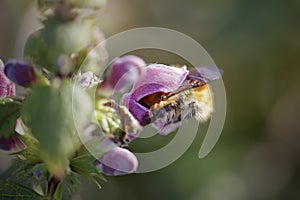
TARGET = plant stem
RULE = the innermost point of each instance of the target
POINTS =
(52, 186)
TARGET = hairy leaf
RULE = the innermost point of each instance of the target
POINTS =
(14, 191)
(10, 111)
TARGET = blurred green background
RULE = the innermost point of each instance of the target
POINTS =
(257, 43)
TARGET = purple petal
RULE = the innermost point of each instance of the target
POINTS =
(117, 161)
(12, 143)
(19, 129)
(19, 72)
(164, 129)
(7, 87)
(123, 72)
(159, 78)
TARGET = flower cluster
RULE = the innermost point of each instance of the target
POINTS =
(37, 124)
(161, 95)
(51, 126)
(8, 89)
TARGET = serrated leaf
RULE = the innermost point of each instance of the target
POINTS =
(83, 164)
(31, 154)
(14, 191)
(10, 111)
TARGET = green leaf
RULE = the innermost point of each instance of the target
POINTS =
(10, 111)
(58, 192)
(73, 182)
(12, 191)
(48, 112)
(83, 164)
(31, 154)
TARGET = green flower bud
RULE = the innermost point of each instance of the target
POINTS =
(46, 46)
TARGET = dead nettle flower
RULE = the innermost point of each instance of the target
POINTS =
(7, 89)
(165, 95)
(12, 143)
(117, 161)
(123, 72)
(20, 72)
(157, 78)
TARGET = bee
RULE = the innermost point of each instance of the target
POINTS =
(193, 99)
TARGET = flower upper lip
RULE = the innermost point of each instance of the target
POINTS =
(159, 78)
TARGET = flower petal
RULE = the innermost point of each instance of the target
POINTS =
(7, 87)
(12, 143)
(117, 161)
(164, 128)
(20, 72)
(124, 71)
(159, 78)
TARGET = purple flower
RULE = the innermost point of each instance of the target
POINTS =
(19, 72)
(7, 87)
(11, 143)
(123, 72)
(156, 78)
(117, 161)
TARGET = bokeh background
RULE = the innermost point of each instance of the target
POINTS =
(257, 43)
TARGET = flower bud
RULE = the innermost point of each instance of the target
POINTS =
(7, 87)
(58, 44)
(19, 72)
(117, 161)
(123, 72)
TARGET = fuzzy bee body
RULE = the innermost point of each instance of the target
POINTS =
(196, 102)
